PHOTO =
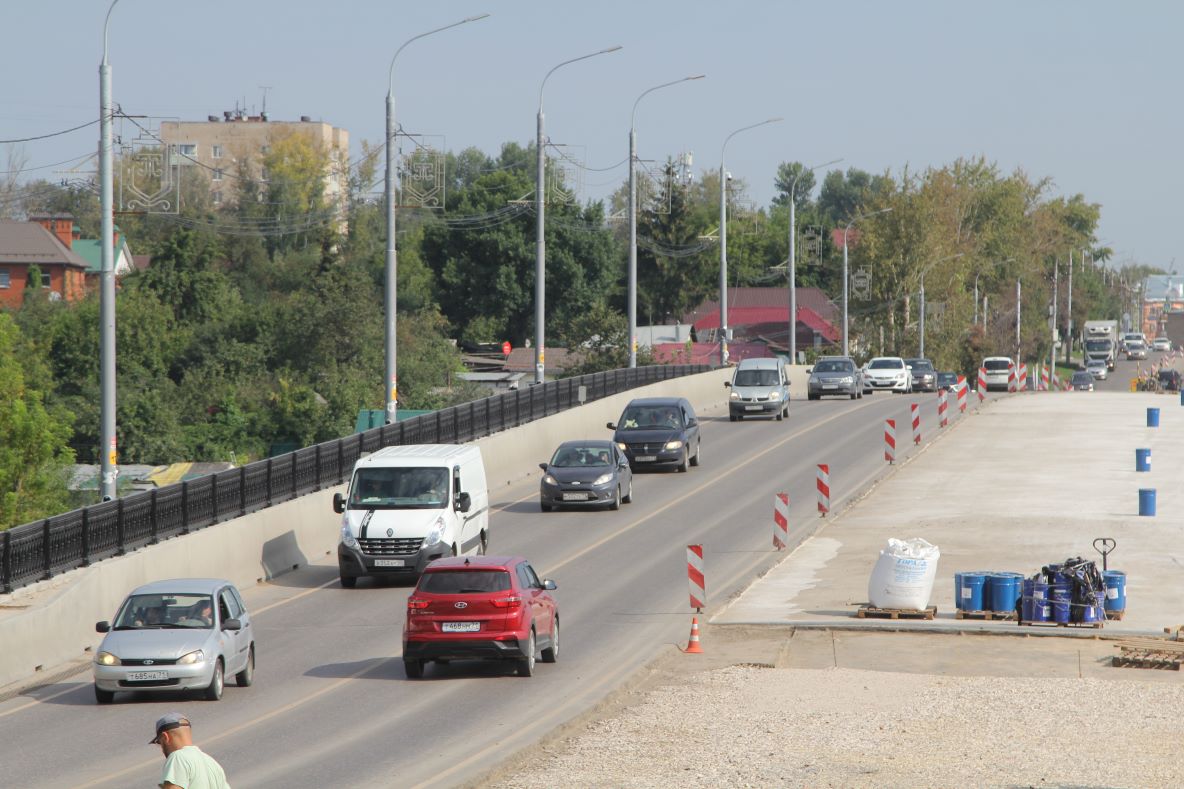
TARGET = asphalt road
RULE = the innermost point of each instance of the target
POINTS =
(331, 706)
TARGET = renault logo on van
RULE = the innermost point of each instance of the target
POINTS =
(390, 532)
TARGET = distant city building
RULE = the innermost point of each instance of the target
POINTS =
(1162, 294)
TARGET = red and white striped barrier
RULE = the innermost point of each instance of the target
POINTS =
(695, 577)
(962, 387)
(890, 440)
(823, 489)
(942, 420)
(1044, 381)
(982, 384)
(780, 520)
(915, 410)
(1022, 383)
(1011, 377)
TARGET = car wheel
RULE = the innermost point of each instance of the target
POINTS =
(853, 395)
(698, 452)
(551, 653)
(739, 417)
(349, 581)
(104, 696)
(545, 507)
(245, 677)
(214, 691)
(526, 663)
(413, 668)
(628, 497)
(780, 414)
(686, 461)
(615, 504)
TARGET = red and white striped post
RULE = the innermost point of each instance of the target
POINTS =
(1022, 383)
(915, 409)
(982, 384)
(962, 387)
(695, 577)
(942, 404)
(823, 489)
(780, 520)
(1011, 377)
(890, 440)
(1044, 382)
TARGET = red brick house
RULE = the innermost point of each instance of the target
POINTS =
(45, 243)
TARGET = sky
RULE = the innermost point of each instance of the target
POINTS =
(1083, 92)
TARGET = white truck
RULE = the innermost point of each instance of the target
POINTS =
(1101, 341)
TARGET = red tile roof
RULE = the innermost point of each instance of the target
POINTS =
(28, 243)
(807, 298)
(756, 320)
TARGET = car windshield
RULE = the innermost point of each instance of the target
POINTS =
(580, 456)
(412, 488)
(1096, 363)
(834, 367)
(464, 581)
(1135, 346)
(997, 365)
(921, 366)
(1082, 378)
(756, 378)
(157, 611)
(1097, 345)
(1168, 375)
(951, 377)
(886, 364)
(650, 417)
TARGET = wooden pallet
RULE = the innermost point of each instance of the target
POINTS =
(999, 616)
(1115, 616)
(869, 612)
(1158, 653)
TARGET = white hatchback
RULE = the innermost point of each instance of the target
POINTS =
(1097, 368)
(888, 373)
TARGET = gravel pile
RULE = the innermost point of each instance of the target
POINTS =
(759, 727)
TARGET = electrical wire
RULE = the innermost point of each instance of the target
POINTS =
(51, 134)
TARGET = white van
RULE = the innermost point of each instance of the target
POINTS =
(408, 505)
(759, 387)
(999, 371)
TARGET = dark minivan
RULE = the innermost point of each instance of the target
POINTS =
(658, 431)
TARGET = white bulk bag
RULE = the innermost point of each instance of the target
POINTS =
(903, 575)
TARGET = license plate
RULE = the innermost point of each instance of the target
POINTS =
(645, 458)
(143, 676)
(460, 627)
(575, 496)
(388, 563)
(830, 386)
(752, 408)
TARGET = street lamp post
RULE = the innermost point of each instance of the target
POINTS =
(107, 439)
(723, 240)
(847, 230)
(540, 244)
(793, 260)
(924, 271)
(391, 286)
(632, 307)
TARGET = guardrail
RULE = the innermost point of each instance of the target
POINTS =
(39, 550)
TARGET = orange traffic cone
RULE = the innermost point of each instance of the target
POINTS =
(693, 647)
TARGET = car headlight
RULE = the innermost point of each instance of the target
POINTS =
(735, 395)
(813, 379)
(621, 445)
(196, 656)
(774, 395)
(604, 479)
(673, 444)
(347, 539)
(547, 478)
(106, 659)
(436, 534)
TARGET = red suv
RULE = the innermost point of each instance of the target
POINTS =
(481, 608)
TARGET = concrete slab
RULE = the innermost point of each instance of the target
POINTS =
(1025, 481)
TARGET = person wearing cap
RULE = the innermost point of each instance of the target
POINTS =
(185, 765)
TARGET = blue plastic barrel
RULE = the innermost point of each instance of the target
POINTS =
(1061, 598)
(1095, 612)
(1115, 590)
(958, 591)
(972, 591)
(987, 578)
(1142, 460)
(1147, 502)
(1005, 590)
(1152, 417)
(1035, 605)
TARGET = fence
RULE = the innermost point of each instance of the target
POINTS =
(39, 550)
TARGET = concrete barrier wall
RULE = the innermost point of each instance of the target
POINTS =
(52, 622)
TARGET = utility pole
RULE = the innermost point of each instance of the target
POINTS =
(108, 456)
(1055, 283)
(1017, 321)
(1069, 312)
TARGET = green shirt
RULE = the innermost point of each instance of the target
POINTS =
(192, 768)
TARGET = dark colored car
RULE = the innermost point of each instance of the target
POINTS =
(948, 381)
(481, 608)
(586, 473)
(1170, 380)
(924, 376)
(658, 431)
(1082, 381)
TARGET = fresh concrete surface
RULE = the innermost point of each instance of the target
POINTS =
(1028, 480)
(52, 622)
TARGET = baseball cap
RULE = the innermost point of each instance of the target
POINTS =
(173, 720)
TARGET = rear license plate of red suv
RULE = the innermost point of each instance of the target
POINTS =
(460, 627)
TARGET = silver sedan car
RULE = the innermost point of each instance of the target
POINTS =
(834, 375)
(179, 635)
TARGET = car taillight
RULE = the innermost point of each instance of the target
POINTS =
(507, 602)
(416, 604)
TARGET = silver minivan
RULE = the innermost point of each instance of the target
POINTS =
(759, 387)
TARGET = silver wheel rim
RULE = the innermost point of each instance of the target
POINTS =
(218, 678)
(530, 645)
(555, 638)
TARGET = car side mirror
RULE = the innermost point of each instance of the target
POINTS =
(338, 503)
(232, 624)
(543, 466)
(623, 462)
(611, 425)
(549, 585)
(727, 384)
(692, 422)
(464, 501)
(809, 370)
(102, 627)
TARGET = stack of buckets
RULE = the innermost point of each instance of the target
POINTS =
(1048, 597)
(987, 591)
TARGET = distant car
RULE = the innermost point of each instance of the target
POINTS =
(887, 372)
(1129, 338)
(1170, 380)
(759, 387)
(481, 608)
(586, 474)
(1082, 381)
(658, 431)
(1098, 369)
(1161, 344)
(924, 376)
(1135, 349)
(179, 635)
(834, 375)
(948, 381)
(999, 371)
